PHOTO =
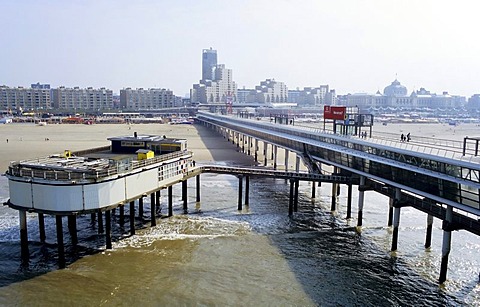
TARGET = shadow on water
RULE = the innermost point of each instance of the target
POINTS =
(335, 265)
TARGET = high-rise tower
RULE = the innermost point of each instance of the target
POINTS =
(209, 62)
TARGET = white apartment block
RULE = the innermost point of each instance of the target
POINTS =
(82, 98)
(270, 91)
(16, 98)
(217, 91)
(147, 99)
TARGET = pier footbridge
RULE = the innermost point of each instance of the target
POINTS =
(443, 183)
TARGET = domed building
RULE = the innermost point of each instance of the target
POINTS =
(395, 89)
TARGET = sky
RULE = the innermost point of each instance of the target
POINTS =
(354, 46)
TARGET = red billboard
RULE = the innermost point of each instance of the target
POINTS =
(330, 112)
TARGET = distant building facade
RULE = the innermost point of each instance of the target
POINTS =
(209, 62)
(82, 98)
(395, 95)
(148, 99)
(217, 85)
(21, 98)
(312, 96)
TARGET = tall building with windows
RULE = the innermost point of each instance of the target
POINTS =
(21, 98)
(147, 99)
(217, 85)
(209, 62)
(82, 98)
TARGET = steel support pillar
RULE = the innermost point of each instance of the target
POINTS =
(153, 217)
(240, 192)
(60, 246)
(41, 227)
(349, 201)
(23, 235)
(391, 200)
(446, 244)
(197, 186)
(72, 228)
(247, 190)
(108, 230)
(170, 201)
(132, 217)
(396, 220)
(290, 198)
(275, 151)
(295, 199)
(314, 189)
(428, 237)
(140, 208)
(287, 152)
(361, 198)
(100, 221)
(297, 164)
(185, 196)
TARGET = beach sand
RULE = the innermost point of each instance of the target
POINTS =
(27, 141)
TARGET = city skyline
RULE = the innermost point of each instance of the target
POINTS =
(352, 46)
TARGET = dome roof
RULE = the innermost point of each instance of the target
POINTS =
(395, 89)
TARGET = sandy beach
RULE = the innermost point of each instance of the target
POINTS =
(26, 141)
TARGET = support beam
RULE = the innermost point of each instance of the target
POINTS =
(391, 200)
(446, 244)
(265, 151)
(240, 192)
(60, 246)
(349, 201)
(140, 207)
(396, 220)
(361, 197)
(247, 190)
(158, 206)
(41, 227)
(197, 186)
(314, 189)
(295, 198)
(25, 254)
(108, 230)
(185, 196)
(287, 153)
(132, 218)
(290, 198)
(122, 216)
(333, 206)
(428, 238)
(72, 228)
(256, 150)
(297, 164)
(170, 200)
(153, 217)
(275, 151)
(100, 221)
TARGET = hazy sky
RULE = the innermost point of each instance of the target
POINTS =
(351, 45)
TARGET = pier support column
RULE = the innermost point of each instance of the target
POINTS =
(290, 198)
(249, 151)
(286, 159)
(60, 246)
(72, 228)
(313, 190)
(41, 227)
(240, 192)
(256, 150)
(361, 196)
(197, 186)
(108, 230)
(275, 150)
(333, 206)
(265, 150)
(170, 200)
(295, 197)
(391, 200)
(140, 207)
(297, 164)
(23, 235)
(132, 217)
(122, 215)
(185, 196)
(100, 221)
(247, 190)
(349, 201)
(396, 219)
(428, 238)
(93, 218)
(153, 217)
(158, 204)
(238, 139)
(446, 244)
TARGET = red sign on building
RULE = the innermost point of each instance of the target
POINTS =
(330, 112)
